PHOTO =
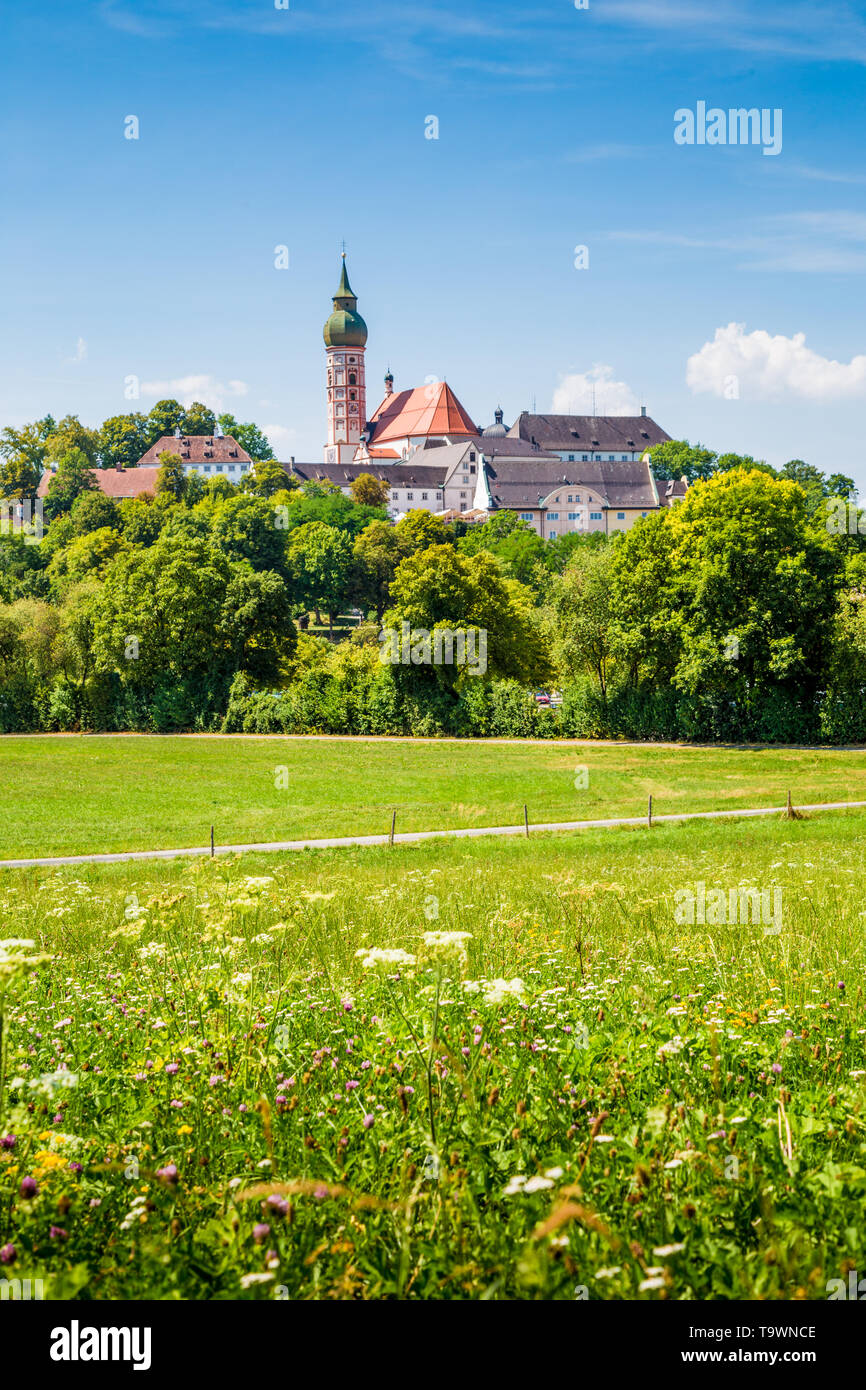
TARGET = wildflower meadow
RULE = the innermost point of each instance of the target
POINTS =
(496, 1069)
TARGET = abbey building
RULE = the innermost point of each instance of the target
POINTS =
(559, 472)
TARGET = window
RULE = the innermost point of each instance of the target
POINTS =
(465, 478)
(620, 516)
(526, 516)
(472, 468)
(410, 497)
(395, 496)
(595, 516)
(643, 513)
(571, 458)
(552, 535)
(611, 458)
(207, 468)
(553, 516)
(463, 494)
(585, 458)
(625, 458)
(353, 379)
(423, 497)
(570, 498)
(233, 468)
(472, 457)
(574, 516)
(589, 499)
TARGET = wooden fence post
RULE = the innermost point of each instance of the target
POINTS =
(649, 814)
(211, 842)
(391, 836)
(526, 820)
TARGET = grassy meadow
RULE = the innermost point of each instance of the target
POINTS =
(76, 795)
(531, 1083)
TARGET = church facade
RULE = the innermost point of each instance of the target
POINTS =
(560, 473)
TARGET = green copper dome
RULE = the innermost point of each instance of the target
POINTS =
(345, 327)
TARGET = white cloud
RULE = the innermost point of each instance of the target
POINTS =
(574, 394)
(280, 437)
(218, 395)
(80, 354)
(767, 366)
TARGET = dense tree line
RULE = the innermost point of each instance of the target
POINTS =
(120, 441)
(738, 612)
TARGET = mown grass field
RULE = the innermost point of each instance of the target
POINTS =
(69, 795)
(209, 1094)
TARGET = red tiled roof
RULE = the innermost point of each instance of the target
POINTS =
(432, 409)
(117, 483)
(197, 448)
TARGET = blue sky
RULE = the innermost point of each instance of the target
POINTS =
(262, 127)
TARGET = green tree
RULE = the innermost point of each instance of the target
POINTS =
(754, 584)
(163, 419)
(245, 528)
(265, 478)
(93, 510)
(171, 478)
(19, 478)
(69, 434)
(677, 458)
(74, 476)
(192, 614)
(440, 588)
(319, 561)
(29, 443)
(583, 629)
(24, 453)
(418, 530)
(198, 419)
(86, 557)
(377, 554)
(141, 520)
(123, 440)
(249, 436)
(645, 633)
(369, 491)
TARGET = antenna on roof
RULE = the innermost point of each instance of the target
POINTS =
(593, 400)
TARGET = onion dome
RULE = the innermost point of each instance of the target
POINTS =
(498, 430)
(345, 328)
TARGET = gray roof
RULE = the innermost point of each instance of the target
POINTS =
(512, 484)
(620, 433)
(490, 446)
(394, 474)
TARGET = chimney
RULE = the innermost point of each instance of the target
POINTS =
(643, 411)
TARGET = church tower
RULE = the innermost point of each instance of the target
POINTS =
(345, 335)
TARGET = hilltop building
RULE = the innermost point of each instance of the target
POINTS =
(559, 472)
(201, 453)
